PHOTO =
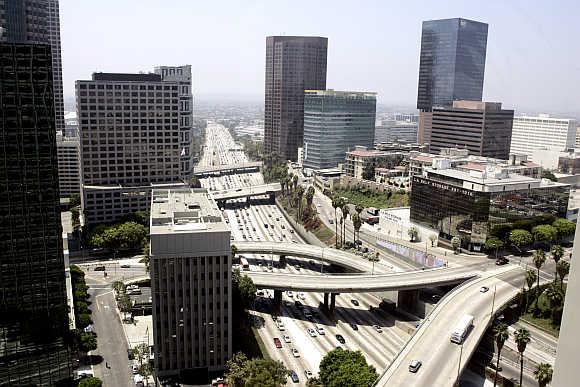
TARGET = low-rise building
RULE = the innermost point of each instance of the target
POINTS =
(361, 158)
(400, 131)
(468, 203)
(326, 178)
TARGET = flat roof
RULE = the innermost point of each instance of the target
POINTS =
(491, 181)
(185, 210)
(341, 92)
(150, 77)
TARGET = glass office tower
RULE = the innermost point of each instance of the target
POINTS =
(335, 122)
(33, 308)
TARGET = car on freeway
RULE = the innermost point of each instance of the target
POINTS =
(298, 304)
(378, 328)
(301, 296)
(319, 329)
(501, 261)
(354, 302)
(290, 294)
(277, 342)
(340, 339)
(99, 268)
(484, 289)
(435, 298)
(311, 332)
(493, 366)
(125, 266)
(295, 352)
(414, 366)
(308, 374)
(294, 377)
(298, 267)
(287, 339)
(353, 326)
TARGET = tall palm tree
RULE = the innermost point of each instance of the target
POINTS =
(543, 374)
(522, 338)
(530, 281)
(555, 299)
(310, 196)
(295, 181)
(557, 254)
(336, 203)
(563, 268)
(299, 195)
(539, 259)
(234, 251)
(344, 211)
(359, 209)
(501, 334)
(356, 223)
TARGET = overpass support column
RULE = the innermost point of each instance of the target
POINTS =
(408, 300)
(326, 300)
(272, 198)
(332, 303)
(282, 261)
(277, 300)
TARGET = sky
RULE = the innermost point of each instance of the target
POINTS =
(533, 50)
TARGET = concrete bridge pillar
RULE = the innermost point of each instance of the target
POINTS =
(282, 261)
(277, 300)
(272, 198)
(332, 303)
(408, 300)
(326, 300)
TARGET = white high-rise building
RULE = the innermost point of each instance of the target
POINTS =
(530, 133)
(69, 181)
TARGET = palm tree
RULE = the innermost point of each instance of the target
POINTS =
(501, 334)
(344, 210)
(359, 209)
(539, 260)
(234, 251)
(299, 194)
(283, 185)
(374, 259)
(295, 181)
(543, 374)
(336, 203)
(555, 298)
(557, 254)
(563, 268)
(309, 196)
(530, 281)
(522, 338)
(357, 223)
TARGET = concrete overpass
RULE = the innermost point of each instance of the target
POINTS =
(211, 170)
(363, 283)
(257, 190)
(442, 360)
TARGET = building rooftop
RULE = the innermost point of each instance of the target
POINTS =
(185, 210)
(492, 177)
(124, 77)
(343, 93)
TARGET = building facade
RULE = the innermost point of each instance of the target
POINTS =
(293, 64)
(469, 204)
(69, 180)
(182, 75)
(334, 122)
(362, 158)
(191, 284)
(36, 21)
(483, 128)
(531, 133)
(130, 142)
(33, 305)
(396, 131)
(451, 65)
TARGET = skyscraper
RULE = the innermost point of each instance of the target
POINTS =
(182, 75)
(293, 64)
(36, 21)
(452, 66)
(33, 308)
(335, 122)
(129, 133)
(191, 284)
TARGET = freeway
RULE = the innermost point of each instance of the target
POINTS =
(256, 190)
(361, 283)
(207, 170)
(330, 255)
(442, 360)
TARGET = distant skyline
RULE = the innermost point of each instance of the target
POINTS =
(533, 61)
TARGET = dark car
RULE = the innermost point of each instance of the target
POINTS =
(99, 268)
(501, 261)
(354, 326)
(340, 339)
(294, 377)
(277, 342)
(298, 304)
(354, 302)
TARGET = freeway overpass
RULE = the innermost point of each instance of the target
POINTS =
(442, 360)
(363, 283)
(211, 170)
(246, 192)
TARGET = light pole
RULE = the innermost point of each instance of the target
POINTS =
(493, 299)
(322, 261)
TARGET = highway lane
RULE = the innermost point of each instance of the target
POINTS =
(431, 343)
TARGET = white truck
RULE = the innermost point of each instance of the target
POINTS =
(461, 329)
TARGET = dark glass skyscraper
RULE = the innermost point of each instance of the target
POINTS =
(293, 64)
(33, 309)
(452, 65)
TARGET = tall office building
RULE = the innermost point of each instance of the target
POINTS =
(69, 180)
(293, 64)
(36, 21)
(335, 122)
(191, 284)
(483, 128)
(182, 75)
(531, 133)
(452, 66)
(33, 308)
(129, 128)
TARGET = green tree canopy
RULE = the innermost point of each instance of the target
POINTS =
(455, 243)
(493, 244)
(549, 175)
(263, 372)
(412, 232)
(90, 382)
(247, 290)
(520, 238)
(564, 227)
(75, 200)
(237, 369)
(128, 235)
(369, 172)
(543, 374)
(544, 233)
(346, 368)
(87, 341)
(502, 231)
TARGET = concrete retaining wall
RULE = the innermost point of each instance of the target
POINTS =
(309, 237)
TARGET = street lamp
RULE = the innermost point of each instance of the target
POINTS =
(322, 261)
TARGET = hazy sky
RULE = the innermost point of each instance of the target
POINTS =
(533, 50)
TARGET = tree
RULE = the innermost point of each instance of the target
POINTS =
(432, 238)
(501, 334)
(539, 259)
(544, 233)
(237, 369)
(309, 196)
(299, 195)
(374, 259)
(234, 250)
(90, 382)
(75, 200)
(563, 269)
(556, 299)
(557, 254)
(359, 209)
(412, 232)
(549, 175)
(83, 320)
(125, 304)
(455, 243)
(295, 181)
(493, 244)
(502, 231)
(141, 353)
(564, 227)
(336, 203)
(344, 211)
(530, 281)
(262, 372)
(247, 290)
(520, 238)
(87, 341)
(346, 368)
(194, 182)
(131, 235)
(543, 374)
(357, 224)
(522, 338)
(146, 256)
(369, 172)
